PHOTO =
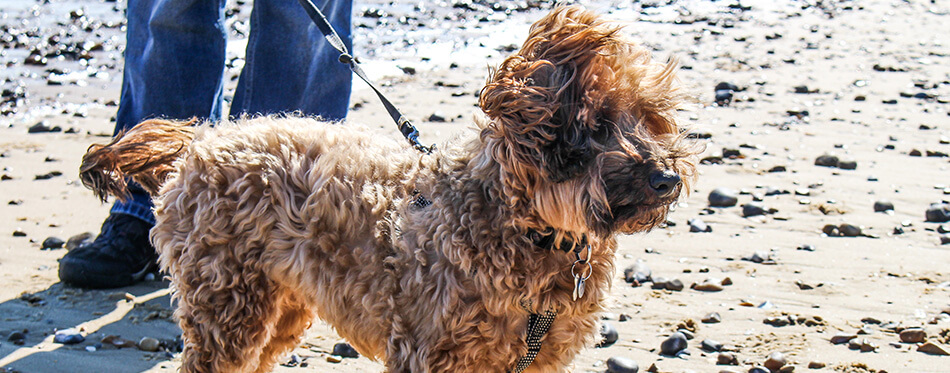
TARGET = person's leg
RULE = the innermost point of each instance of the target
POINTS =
(290, 66)
(174, 66)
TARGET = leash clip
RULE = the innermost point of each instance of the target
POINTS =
(580, 277)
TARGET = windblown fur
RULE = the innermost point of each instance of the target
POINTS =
(266, 223)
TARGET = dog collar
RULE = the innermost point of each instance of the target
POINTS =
(546, 242)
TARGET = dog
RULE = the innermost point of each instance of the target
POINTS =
(429, 263)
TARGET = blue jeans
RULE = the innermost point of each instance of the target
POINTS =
(174, 66)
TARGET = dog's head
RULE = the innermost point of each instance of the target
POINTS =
(582, 126)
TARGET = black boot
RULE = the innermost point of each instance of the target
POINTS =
(120, 256)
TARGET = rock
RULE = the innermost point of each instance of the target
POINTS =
(673, 345)
(758, 370)
(659, 283)
(913, 335)
(758, 257)
(863, 345)
(731, 153)
(883, 206)
(709, 284)
(945, 239)
(711, 345)
(117, 341)
(40, 127)
(68, 336)
(933, 349)
(806, 247)
(816, 365)
(638, 273)
(697, 225)
(608, 335)
(343, 349)
(618, 364)
(675, 285)
(753, 209)
(712, 318)
(51, 243)
(938, 213)
(17, 337)
(77, 240)
(777, 321)
(19, 233)
(723, 197)
(849, 230)
(849, 164)
(842, 338)
(725, 358)
(826, 160)
(723, 97)
(436, 118)
(148, 344)
(334, 359)
(775, 361)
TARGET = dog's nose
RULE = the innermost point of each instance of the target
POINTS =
(664, 183)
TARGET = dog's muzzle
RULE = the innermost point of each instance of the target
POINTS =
(664, 183)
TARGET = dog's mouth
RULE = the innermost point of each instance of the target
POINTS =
(634, 218)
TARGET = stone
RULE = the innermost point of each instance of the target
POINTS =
(343, 349)
(675, 285)
(436, 118)
(841, 338)
(758, 370)
(68, 336)
(659, 283)
(619, 364)
(775, 361)
(933, 349)
(723, 97)
(696, 225)
(883, 206)
(608, 335)
(945, 239)
(816, 365)
(753, 209)
(849, 230)
(51, 243)
(726, 358)
(913, 335)
(711, 345)
(723, 197)
(638, 273)
(148, 344)
(19, 233)
(674, 344)
(334, 359)
(848, 164)
(712, 318)
(827, 160)
(79, 239)
(758, 257)
(709, 284)
(938, 213)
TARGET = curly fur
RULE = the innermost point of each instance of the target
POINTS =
(266, 223)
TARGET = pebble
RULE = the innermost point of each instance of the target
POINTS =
(334, 358)
(51, 243)
(759, 257)
(775, 361)
(754, 209)
(826, 160)
(848, 164)
(77, 240)
(608, 335)
(883, 206)
(758, 370)
(849, 230)
(436, 118)
(638, 273)
(19, 233)
(709, 284)
(816, 365)
(842, 338)
(723, 197)
(933, 349)
(345, 350)
(727, 358)
(712, 318)
(675, 285)
(148, 344)
(913, 335)
(806, 247)
(938, 213)
(68, 336)
(618, 364)
(711, 345)
(674, 344)
(697, 225)
(945, 239)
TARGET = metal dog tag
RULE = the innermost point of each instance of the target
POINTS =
(578, 287)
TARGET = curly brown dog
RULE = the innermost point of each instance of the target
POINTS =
(430, 263)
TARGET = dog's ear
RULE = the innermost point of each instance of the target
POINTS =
(546, 102)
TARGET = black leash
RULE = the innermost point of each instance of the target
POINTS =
(405, 127)
(538, 325)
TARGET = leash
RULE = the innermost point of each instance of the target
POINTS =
(405, 127)
(538, 325)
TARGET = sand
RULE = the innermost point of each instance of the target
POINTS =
(890, 53)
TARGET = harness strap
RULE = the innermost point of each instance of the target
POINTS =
(405, 127)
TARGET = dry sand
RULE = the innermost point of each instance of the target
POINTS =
(884, 51)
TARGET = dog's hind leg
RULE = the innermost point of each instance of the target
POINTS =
(294, 319)
(227, 312)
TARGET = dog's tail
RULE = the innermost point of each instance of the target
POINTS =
(145, 154)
